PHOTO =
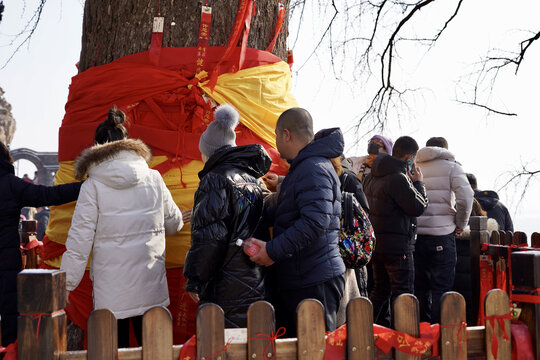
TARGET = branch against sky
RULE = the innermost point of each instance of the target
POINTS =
(25, 35)
(364, 41)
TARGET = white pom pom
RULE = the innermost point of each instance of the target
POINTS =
(227, 116)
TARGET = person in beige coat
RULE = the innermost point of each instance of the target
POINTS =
(450, 203)
(122, 215)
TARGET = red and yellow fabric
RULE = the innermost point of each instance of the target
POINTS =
(166, 106)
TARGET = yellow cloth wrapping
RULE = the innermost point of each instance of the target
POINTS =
(259, 93)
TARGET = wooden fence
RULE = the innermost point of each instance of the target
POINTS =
(42, 329)
(522, 270)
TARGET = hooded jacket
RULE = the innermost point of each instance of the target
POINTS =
(122, 215)
(228, 205)
(306, 224)
(15, 194)
(448, 190)
(495, 209)
(395, 202)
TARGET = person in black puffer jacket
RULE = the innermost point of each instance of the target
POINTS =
(16, 194)
(306, 221)
(396, 196)
(228, 205)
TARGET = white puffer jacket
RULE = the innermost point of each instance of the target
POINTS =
(448, 190)
(122, 215)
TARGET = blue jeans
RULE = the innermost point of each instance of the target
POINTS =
(435, 263)
(393, 275)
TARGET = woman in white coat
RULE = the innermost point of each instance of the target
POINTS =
(122, 215)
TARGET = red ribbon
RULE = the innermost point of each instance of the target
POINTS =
(278, 28)
(204, 36)
(241, 16)
(495, 341)
(389, 338)
(532, 298)
(271, 341)
(39, 316)
(462, 340)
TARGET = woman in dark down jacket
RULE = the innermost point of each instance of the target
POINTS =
(15, 193)
(228, 205)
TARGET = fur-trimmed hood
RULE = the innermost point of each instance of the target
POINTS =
(117, 164)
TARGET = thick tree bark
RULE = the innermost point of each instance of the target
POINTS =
(112, 29)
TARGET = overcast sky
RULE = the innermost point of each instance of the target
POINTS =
(36, 84)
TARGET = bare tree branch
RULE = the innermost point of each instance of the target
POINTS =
(28, 29)
(474, 103)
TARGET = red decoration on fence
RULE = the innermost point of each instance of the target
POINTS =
(486, 283)
(495, 341)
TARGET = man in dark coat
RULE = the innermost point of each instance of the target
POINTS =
(495, 209)
(16, 194)
(306, 221)
(228, 206)
(396, 196)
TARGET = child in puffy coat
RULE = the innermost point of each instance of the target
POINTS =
(228, 206)
(122, 215)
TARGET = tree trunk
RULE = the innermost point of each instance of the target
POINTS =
(112, 29)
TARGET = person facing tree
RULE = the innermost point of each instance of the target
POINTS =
(122, 215)
(228, 206)
(17, 193)
(306, 221)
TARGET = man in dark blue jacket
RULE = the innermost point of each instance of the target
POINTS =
(396, 196)
(306, 221)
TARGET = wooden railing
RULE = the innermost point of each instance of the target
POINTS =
(42, 329)
(522, 276)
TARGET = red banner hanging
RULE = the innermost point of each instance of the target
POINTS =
(204, 36)
(247, 26)
(241, 15)
(278, 28)
(157, 40)
(486, 284)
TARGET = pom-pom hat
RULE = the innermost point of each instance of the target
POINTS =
(220, 132)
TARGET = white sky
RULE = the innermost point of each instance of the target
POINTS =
(36, 84)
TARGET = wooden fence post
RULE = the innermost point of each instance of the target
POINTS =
(479, 235)
(42, 321)
(360, 344)
(535, 240)
(406, 314)
(495, 238)
(157, 334)
(519, 238)
(260, 320)
(498, 337)
(311, 330)
(210, 332)
(102, 335)
(453, 327)
(526, 277)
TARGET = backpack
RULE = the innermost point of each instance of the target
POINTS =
(356, 236)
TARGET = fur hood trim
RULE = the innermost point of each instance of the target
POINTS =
(99, 153)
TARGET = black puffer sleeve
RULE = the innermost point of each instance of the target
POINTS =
(209, 232)
(41, 195)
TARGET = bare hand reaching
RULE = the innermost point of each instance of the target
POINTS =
(416, 175)
(261, 257)
(186, 216)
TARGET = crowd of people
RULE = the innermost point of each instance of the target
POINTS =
(254, 235)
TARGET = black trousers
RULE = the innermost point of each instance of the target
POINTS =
(393, 275)
(123, 331)
(435, 264)
(329, 293)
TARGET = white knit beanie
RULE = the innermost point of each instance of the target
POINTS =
(220, 132)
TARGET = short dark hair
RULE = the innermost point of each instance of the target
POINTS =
(4, 153)
(111, 129)
(405, 145)
(298, 121)
(472, 180)
(438, 141)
